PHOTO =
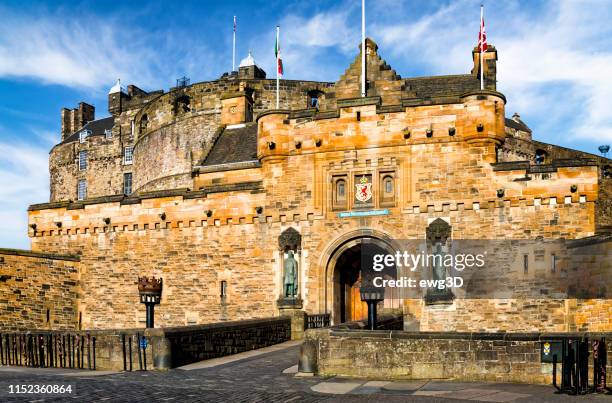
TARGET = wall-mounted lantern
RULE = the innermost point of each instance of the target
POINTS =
(150, 291)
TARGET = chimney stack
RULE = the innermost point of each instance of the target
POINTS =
(75, 119)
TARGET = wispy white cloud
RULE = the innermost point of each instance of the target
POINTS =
(554, 61)
(24, 179)
(91, 52)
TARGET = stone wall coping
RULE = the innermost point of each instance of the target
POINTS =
(41, 255)
(544, 168)
(92, 332)
(412, 102)
(232, 166)
(484, 92)
(361, 101)
(509, 336)
(591, 240)
(218, 325)
(186, 193)
(273, 112)
(236, 94)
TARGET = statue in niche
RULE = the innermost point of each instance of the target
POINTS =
(439, 271)
(290, 277)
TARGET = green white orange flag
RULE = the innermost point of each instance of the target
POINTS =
(277, 53)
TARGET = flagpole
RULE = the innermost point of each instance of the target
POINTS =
(363, 50)
(277, 72)
(480, 49)
(234, 47)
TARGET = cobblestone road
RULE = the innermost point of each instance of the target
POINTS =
(261, 379)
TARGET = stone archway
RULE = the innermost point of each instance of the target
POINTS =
(342, 273)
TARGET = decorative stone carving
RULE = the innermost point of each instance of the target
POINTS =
(290, 239)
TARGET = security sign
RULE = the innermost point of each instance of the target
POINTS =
(550, 349)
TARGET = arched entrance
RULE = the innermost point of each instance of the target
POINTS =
(344, 278)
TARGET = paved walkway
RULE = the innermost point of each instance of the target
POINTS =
(262, 376)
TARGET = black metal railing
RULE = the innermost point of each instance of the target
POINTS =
(48, 350)
(574, 358)
(71, 350)
(318, 321)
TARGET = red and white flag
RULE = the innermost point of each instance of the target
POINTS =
(482, 35)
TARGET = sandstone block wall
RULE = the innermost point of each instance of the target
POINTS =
(494, 357)
(38, 290)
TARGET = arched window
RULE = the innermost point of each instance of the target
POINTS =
(341, 189)
(540, 157)
(339, 192)
(182, 104)
(144, 123)
(314, 99)
(387, 189)
(388, 181)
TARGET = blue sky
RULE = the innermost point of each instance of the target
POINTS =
(555, 62)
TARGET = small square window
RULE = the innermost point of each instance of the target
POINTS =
(82, 190)
(82, 160)
(128, 155)
(127, 183)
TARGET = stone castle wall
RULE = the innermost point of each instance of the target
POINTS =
(38, 290)
(196, 239)
(173, 140)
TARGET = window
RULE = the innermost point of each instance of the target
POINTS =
(128, 155)
(83, 134)
(223, 289)
(540, 157)
(606, 172)
(358, 116)
(144, 123)
(553, 263)
(82, 189)
(314, 99)
(82, 160)
(127, 183)
(525, 264)
(388, 185)
(339, 193)
(340, 189)
(387, 188)
(108, 134)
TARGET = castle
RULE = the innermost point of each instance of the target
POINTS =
(212, 188)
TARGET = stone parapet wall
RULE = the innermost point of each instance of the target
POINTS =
(185, 345)
(38, 290)
(124, 349)
(495, 357)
